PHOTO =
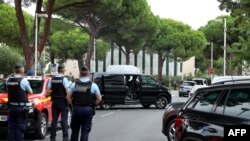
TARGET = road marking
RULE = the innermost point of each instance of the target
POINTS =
(119, 110)
(110, 113)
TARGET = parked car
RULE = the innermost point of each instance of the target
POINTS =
(120, 88)
(200, 81)
(186, 87)
(195, 87)
(168, 120)
(40, 116)
(204, 115)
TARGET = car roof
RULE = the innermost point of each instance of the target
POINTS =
(223, 79)
(195, 87)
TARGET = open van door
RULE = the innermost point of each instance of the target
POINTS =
(114, 89)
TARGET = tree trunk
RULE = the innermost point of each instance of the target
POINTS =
(127, 53)
(27, 50)
(46, 26)
(160, 65)
(90, 50)
(80, 63)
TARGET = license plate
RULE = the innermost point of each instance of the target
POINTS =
(3, 118)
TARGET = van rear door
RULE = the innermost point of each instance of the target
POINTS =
(114, 89)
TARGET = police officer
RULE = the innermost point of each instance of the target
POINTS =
(18, 90)
(84, 96)
(58, 87)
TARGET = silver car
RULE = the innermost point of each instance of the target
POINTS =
(186, 87)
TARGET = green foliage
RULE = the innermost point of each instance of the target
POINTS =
(69, 44)
(9, 27)
(102, 48)
(8, 59)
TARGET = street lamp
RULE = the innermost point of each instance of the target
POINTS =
(36, 37)
(211, 44)
(225, 43)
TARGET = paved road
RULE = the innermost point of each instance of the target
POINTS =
(127, 123)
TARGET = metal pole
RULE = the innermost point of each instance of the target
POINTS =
(36, 32)
(212, 55)
(225, 44)
(94, 56)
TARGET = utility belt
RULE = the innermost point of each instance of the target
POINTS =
(82, 105)
(20, 104)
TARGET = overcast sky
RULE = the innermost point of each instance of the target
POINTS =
(195, 13)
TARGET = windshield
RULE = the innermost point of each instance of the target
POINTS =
(2, 86)
(36, 86)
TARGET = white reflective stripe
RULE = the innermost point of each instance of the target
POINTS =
(12, 83)
(56, 81)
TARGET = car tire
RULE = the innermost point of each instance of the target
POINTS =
(161, 102)
(42, 127)
(105, 106)
(170, 130)
(146, 105)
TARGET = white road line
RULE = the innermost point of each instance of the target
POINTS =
(110, 113)
(119, 110)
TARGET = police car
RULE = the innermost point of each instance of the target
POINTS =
(40, 114)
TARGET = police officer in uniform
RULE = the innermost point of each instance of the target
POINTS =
(58, 87)
(18, 90)
(84, 95)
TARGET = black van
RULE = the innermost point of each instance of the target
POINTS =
(131, 89)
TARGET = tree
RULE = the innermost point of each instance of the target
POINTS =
(91, 18)
(102, 48)
(70, 45)
(176, 39)
(9, 27)
(28, 43)
(214, 32)
(135, 25)
(8, 58)
(239, 10)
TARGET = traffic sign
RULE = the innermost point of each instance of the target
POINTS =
(211, 71)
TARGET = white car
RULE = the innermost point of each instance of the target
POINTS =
(195, 87)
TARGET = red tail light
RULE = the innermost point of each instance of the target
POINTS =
(179, 121)
(190, 94)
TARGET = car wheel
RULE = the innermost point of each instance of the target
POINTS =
(42, 127)
(69, 117)
(161, 102)
(146, 105)
(105, 106)
(171, 130)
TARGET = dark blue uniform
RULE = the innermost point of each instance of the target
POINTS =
(18, 102)
(83, 100)
(58, 85)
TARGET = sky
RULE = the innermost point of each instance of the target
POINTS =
(195, 13)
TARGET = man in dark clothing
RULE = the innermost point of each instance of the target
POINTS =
(18, 90)
(58, 87)
(84, 95)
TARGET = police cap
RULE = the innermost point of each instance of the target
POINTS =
(61, 67)
(84, 68)
(18, 66)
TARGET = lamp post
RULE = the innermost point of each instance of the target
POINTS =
(225, 44)
(36, 37)
(212, 55)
